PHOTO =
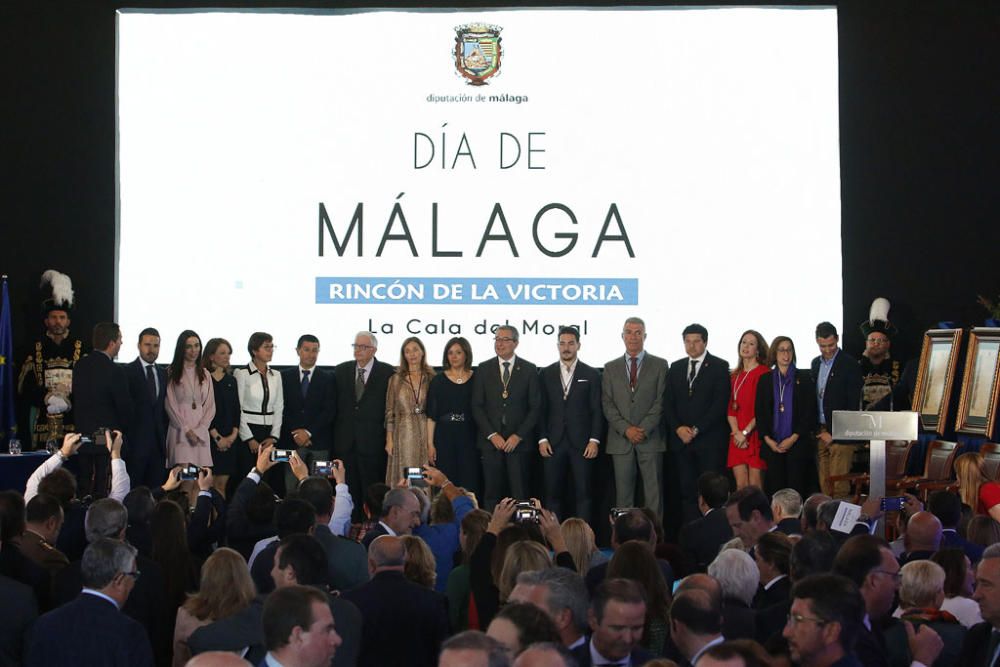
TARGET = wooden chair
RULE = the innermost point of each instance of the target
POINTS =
(939, 463)
(897, 452)
(991, 457)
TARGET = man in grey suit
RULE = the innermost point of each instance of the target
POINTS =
(632, 396)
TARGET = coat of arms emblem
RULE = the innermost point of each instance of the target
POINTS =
(477, 52)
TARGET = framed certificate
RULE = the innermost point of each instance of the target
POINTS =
(977, 407)
(935, 376)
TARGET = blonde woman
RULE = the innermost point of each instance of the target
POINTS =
(406, 412)
(226, 589)
(975, 489)
(581, 544)
(421, 567)
(523, 556)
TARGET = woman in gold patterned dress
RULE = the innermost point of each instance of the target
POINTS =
(406, 411)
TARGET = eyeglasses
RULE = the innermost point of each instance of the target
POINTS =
(362, 347)
(134, 575)
(896, 576)
(795, 619)
(503, 339)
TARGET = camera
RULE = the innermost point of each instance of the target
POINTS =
(619, 511)
(189, 472)
(324, 468)
(281, 455)
(893, 503)
(415, 476)
(526, 512)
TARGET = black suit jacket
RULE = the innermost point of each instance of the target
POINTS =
(738, 620)
(147, 433)
(803, 415)
(639, 655)
(100, 394)
(518, 413)
(147, 604)
(843, 386)
(704, 407)
(778, 592)
(315, 413)
(89, 631)
(403, 624)
(370, 536)
(789, 526)
(976, 646)
(360, 424)
(702, 537)
(579, 416)
(17, 614)
(244, 629)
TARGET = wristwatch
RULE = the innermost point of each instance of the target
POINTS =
(745, 433)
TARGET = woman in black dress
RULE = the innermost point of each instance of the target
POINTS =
(225, 428)
(451, 432)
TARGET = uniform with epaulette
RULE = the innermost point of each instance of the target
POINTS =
(46, 377)
(37, 548)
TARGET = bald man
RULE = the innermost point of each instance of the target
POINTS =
(216, 659)
(544, 654)
(923, 537)
(403, 622)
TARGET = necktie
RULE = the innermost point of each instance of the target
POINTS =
(506, 373)
(151, 381)
(633, 372)
(359, 384)
(305, 383)
(693, 372)
(992, 651)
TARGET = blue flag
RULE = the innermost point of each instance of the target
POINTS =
(8, 420)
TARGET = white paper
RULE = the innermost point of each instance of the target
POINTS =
(847, 516)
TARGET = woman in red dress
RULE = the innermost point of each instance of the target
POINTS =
(744, 443)
(977, 490)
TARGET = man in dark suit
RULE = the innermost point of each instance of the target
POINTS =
(826, 617)
(571, 428)
(694, 408)
(146, 603)
(400, 515)
(772, 555)
(359, 426)
(310, 407)
(869, 562)
(632, 399)
(17, 614)
(947, 507)
(299, 561)
(786, 507)
(145, 441)
(506, 404)
(299, 628)
(100, 390)
(347, 562)
(617, 617)
(91, 630)
(695, 623)
(702, 537)
(981, 647)
(838, 381)
(403, 623)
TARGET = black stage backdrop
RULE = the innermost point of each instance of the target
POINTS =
(919, 132)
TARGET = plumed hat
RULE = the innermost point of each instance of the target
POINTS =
(878, 319)
(57, 292)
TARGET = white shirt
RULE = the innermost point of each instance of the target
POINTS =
(598, 659)
(768, 585)
(368, 369)
(701, 362)
(121, 484)
(501, 362)
(966, 610)
(717, 640)
(251, 392)
(388, 530)
(99, 594)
